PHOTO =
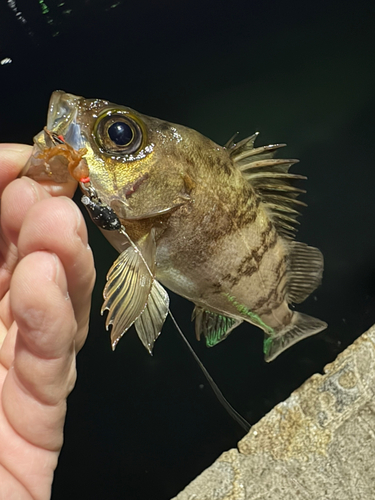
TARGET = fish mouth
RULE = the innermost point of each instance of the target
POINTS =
(61, 121)
(62, 117)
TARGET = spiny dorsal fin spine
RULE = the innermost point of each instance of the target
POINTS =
(283, 209)
(270, 179)
(264, 152)
(287, 219)
(277, 187)
(274, 176)
(283, 201)
(231, 143)
(265, 149)
(245, 144)
(262, 165)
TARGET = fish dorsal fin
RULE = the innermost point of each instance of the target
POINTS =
(215, 327)
(271, 180)
(305, 266)
(128, 286)
(151, 321)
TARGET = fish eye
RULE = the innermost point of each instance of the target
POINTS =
(119, 132)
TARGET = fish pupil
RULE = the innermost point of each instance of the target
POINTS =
(120, 133)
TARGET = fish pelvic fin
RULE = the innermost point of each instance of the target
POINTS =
(125, 294)
(129, 284)
(151, 321)
(213, 326)
(301, 327)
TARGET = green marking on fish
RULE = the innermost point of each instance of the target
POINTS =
(267, 345)
(216, 335)
(242, 309)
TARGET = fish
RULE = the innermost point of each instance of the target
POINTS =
(214, 224)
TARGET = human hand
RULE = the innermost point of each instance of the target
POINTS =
(46, 279)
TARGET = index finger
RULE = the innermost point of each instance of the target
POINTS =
(13, 158)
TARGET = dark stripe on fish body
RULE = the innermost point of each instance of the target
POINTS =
(250, 263)
(274, 292)
(250, 211)
(247, 268)
(223, 224)
(276, 295)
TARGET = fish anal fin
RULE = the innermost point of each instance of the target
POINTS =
(215, 327)
(151, 321)
(305, 271)
(301, 327)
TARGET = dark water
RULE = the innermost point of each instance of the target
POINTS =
(141, 427)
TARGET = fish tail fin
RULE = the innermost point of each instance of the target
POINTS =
(301, 327)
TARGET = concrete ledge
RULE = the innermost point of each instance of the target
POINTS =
(318, 444)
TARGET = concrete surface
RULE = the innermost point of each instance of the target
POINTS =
(318, 444)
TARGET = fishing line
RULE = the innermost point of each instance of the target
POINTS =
(109, 220)
(220, 396)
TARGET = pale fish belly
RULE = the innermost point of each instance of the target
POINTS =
(175, 277)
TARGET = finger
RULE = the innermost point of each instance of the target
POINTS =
(34, 392)
(57, 225)
(6, 320)
(60, 189)
(17, 199)
(12, 160)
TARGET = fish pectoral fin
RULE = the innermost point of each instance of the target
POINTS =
(215, 327)
(151, 321)
(301, 327)
(128, 286)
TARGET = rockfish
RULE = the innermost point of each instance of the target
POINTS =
(213, 224)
